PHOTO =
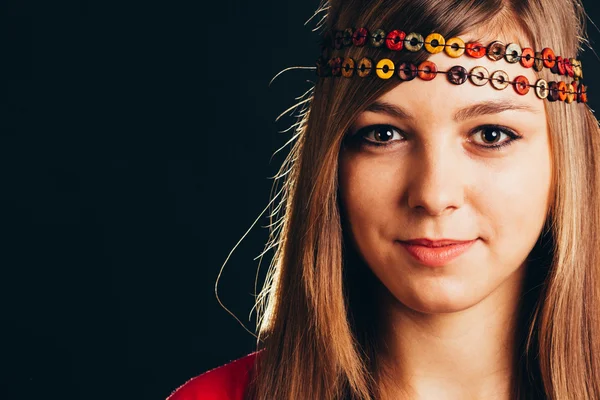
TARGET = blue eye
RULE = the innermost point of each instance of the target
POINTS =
(385, 135)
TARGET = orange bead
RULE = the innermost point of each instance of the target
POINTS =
(562, 91)
(549, 57)
(427, 70)
(527, 58)
(521, 85)
(475, 50)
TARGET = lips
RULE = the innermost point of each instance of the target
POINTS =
(439, 253)
(435, 243)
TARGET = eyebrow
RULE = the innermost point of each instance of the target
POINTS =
(471, 111)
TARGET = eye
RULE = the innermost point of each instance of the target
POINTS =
(491, 134)
(377, 135)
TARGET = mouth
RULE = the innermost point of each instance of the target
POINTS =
(437, 254)
(435, 243)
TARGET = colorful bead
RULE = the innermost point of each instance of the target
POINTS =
(407, 71)
(521, 85)
(569, 67)
(560, 62)
(584, 98)
(395, 40)
(347, 38)
(434, 43)
(385, 68)
(455, 47)
(554, 68)
(499, 80)
(414, 42)
(549, 57)
(538, 64)
(360, 37)
(427, 70)
(541, 89)
(562, 91)
(336, 66)
(553, 91)
(570, 93)
(579, 91)
(577, 72)
(365, 66)
(513, 53)
(348, 67)
(475, 49)
(479, 76)
(527, 57)
(495, 50)
(457, 75)
(377, 38)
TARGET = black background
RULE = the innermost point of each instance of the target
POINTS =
(136, 149)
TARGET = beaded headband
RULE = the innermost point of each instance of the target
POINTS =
(397, 40)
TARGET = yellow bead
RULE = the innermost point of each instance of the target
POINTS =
(348, 67)
(570, 94)
(385, 68)
(435, 37)
(455, 47)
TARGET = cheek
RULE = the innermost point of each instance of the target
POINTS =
(368, 190)
(514, 201)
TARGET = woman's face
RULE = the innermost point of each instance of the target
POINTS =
(438, 178)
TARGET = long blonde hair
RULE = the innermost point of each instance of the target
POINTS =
(318, 332)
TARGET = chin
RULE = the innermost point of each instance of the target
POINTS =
(438, 297)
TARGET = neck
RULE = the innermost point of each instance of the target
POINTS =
(466, 354)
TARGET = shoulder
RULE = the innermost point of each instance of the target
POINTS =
(227, 382)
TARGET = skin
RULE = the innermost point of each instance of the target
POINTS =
(451, 328)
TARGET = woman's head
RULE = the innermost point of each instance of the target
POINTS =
(347, 206)
(439, 177)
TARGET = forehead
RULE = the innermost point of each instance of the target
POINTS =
(440, 97)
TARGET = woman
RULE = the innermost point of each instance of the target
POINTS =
(438, 237)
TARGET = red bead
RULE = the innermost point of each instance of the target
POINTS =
(561, 65)
(475, 49)
(360, 37)
(336, 66)
(569, 68)
(549, 57)
(427, 70)
(395, 40)
(527, 57)
(521, 85)
(584, 98)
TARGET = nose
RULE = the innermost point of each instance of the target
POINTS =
(436, 179)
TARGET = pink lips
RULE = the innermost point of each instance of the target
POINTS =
(436, 256)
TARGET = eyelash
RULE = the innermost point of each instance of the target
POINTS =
(361, 133)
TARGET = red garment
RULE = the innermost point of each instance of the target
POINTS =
(227, 382)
